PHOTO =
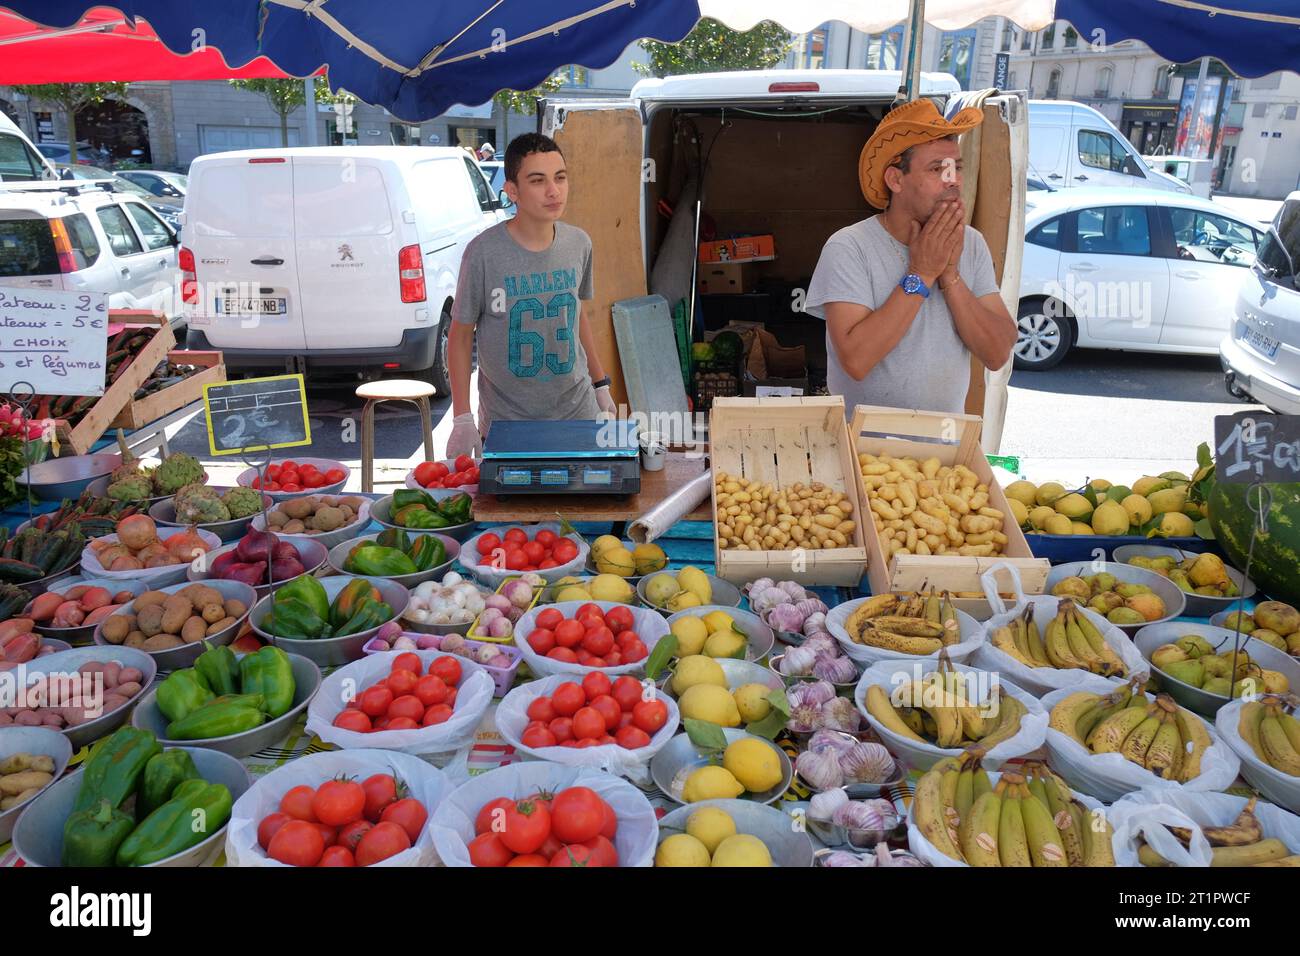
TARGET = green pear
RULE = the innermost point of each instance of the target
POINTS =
(1239, 621)
(1142, 561)
(1269, 637)
(1207, 569)
(1216, 685)
(1167, 654)
(1105, 602)
(1189, 672)
(1179, 577)
(1125, 615)
(1215, 666)
(1104, 581)
(1127, 590)
(1195, 645)
(1164, 562)
(1072, 587)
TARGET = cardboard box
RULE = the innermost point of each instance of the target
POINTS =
(140, 412)
(742, 249)
(727, 278)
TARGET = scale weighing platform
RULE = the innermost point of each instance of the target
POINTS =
(572, 457)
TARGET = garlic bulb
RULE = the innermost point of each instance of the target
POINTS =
(804, 718)
(820, 770)
(833, 741)
(823, 805)
(793, 589)
(822, 643)
(866, 763)
(811, 606)
(762, 584)
(814, 623)
(865, 815)
(768, 598)
(812, 694)
(840, 713)
(837, 670)
(845, 858)
(885, 857)
(798, 662)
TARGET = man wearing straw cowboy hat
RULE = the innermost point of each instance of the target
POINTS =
(908, 295)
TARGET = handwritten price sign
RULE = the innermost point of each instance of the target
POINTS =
(1251, 447)
(56, 341)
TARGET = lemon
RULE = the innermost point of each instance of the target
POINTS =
(573, 592)
(1018, 511)
(726, 643)
(754, 763)
(711, 783)
(752, 702)
(616, 561)
(604, 543)
(718, 621)
(697, 582)
(711, 826)
(649, 558)
(697, 669)
(660, 589)
(1138, 508)
(683, 600)
(691, 635)
(682, 849)
(710, 702)
(1023, 491)
(742, 850)
(610, 587)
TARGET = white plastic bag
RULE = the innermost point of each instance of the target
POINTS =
(1144, 810)
(1281, 788)
(472, 699)
(1109, 776)
(512, 717)
(493, 576)
(452, 826)
(651, 626)
(93, 569)
(972, 634)
(425, 783)
(893, 674)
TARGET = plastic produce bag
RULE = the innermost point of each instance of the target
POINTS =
(472, 700)
(972, 635)
(650, 625)
(452, 826)
(425, 783)
(1144, 810)
(1281, 788)
(493, 577)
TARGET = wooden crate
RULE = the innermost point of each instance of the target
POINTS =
(785, 441)
(140, 412)
(954, 440)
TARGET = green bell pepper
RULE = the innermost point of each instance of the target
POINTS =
(217, 720)
(427, 552)
(293, 619)
(162, 774)
(456, 509)
(403, 497)
(309, 591)
(379, 562)
(93, 836)
(370, 614)
(197, 810)
(183, 691)
(270, 673)
(219, 669)
(426, 520)
(394, 538)
(114, 768)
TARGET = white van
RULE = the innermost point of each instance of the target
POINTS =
(330, 258)
(1074, 145)
(20, 162)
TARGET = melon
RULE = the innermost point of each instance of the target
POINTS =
(1276, 564)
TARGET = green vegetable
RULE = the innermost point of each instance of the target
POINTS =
(425, 520)
(218, 720)
(269, 672)
(219, 670)
(403, 497)
(293, 619)
(394, 538)
(350, 598)
(162, 774)
(183, 691)
(427, 552)
(115, 766)
(91, 837)
(379, 562)
(197, 810)
(370, 614)
(456, 509)
(309, 591)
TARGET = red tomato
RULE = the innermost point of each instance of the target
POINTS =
(585, 657)
(541, 640)
(589, 608)
(527, 825)
(403, 723)
(314, 480)
(561, 728)
(624, 719)
(599, 641)
(595, 685)
(451, 481)
(334, 476)
(381, 790)
(602, 852)
(353, 719)
(535, 737)
(609, 709)
(546, 538)
(549, 618)
(381, 842)
(328, 834)
(613, 658)
(564, 551)
(619, 619)
(627, 691)
(567, 698)
(625, 638)
(577, 814)
(350, 835)
(562, 654)
(380, 723)
(402, 682)
(573, 855)
(540, 708)
(530, 859)
(257, 482)
(428, 471)
(535, 552)
(297, 803)
(375, 700)
(337, 856)
(288, 463)
(610, 827)
(408, 706)
(268, 827)
(634, 651)
(297, 843)
(486, 849)
(409, 814)
(518, 535)
(569, 633)
(516, 560)
(487, 815)
(291, 486)
(431, 690)
(338, 802)
(437, 714)
(273, 471)
(547, 563)
(408, 661)
(451, 698)
(447, 668)
(632, 738)
(650, 715)
(487, 543)
(588, 722)
(464, 463)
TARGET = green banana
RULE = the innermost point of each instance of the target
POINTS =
(1013, 845)
(1044, 839)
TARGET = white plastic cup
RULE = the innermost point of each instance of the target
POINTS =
(653, 451)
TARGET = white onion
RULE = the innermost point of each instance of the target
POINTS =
(451, 579)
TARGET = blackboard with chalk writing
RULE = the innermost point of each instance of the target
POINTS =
(1252, 447)
(54, 341)
(256, 413)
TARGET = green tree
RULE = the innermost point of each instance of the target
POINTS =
(712, 47)
(285, 96)
(71, 97)
(525, 101)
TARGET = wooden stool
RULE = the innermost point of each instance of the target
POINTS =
(391, 390)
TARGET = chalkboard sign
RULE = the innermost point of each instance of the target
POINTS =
(1251, 447)
(256, 413)
(55, 341)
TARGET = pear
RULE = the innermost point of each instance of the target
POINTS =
(1239, 621)
(1189, 672)
(1167, 654)
(1195, 645)
(1269, 637)
(1293, 644)
(1142, 561)
(1073, 587)
(1138, 508)
(1216, 685)
(1148, 605)
(1105, 602)
(1275, 682)
(1073, 506)
(1207, 569)
(1048, 492)
(1110, 519)
(1125, 616)
(1179, 577)
(1165, 562)
(1209, 590)
(1103, 582)
(1128, 589)
(1023, 491)
(1278, 617)
(1215, 666)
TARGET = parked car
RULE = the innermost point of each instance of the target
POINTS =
(495, 171)
(339, 259)
(20, 162)
(161, 182)
(1261, 354)
(1196, 174)
(1073, 145)
(168, 209)
(1138, 270)
(62, 152)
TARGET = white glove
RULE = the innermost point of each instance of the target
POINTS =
(605, 401)
(465, 439)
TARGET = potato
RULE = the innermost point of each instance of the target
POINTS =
(176, 611)
(221, 625)
(117, 627)
(130, 674)
(300, 507)
(27, 718)
(113, 701)
(15, 783)
(149, 598)
(135, 639)
(277, 519)
(162, 642)
(128, 689)
(20, 762)
(201, 594)
(294, 527)
(212, 613)
(194, 629)
(8, 803)
(112, 674)
(149, 620)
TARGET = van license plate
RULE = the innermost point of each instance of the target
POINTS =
(257, 306)
(1261, 343)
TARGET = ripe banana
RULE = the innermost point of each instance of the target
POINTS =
(1079, 645)
(1033, 638)
(932, 608)
(1109, 735)
(1243, 831)
(871, 607)
(1037, 785)
(1163, 757)
(1248, 726)
(901, 643)
(965, 796)
(1044, 839)
(1060, 804)
(1114, 665)
(1020, 638)
(979, 840)
(1057, 644)
(913, 719)
(907, 626)
(982, 782)
(1110, 704)
(1195, 741)
(1010, 712)
(1097, 833)
(1013, 844)
(879, 707)
(1256, 853)
(1277, 746)
(931, 819)
(1067, 715)
(948, 620)
(1149, 857)
(1285, 861)
(1004, 639)
(1290, 727)
(1137, 743)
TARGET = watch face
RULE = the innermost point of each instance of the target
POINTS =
(911, 284)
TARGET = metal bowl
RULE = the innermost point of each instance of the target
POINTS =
(67, 661)
(774, 665)
(414, 485)
(327, 539)
(338, 556)
(738, 674)
(332, 651)
(99, 488)
(1172, 595)
(856, 791)
(307, 680)
(1198, 605)
(38, 838)
(164, 514)
(853, 838)
(246, 477)
(59, 478)
(548, 595)
(590, 569)
(83, 633)
(40, 586)
(37, 741)
(1191, 697)
(760, 637)
(57, 646)
(381, 511)
(725, 594)
(443, 629)
(789, 638)
(175, 658)
(679, 754)
(788, 844)
(153, 577)
(312, 554)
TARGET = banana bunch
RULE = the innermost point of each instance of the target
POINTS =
(1072, 641)
(939, 710)
(1241, 843)
(921, 623)
(1158, 735)
(1272, 733)
(1029, 819)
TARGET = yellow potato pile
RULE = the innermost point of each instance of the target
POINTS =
(756, 516)
(930, 508)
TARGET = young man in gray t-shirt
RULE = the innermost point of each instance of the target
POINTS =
(520, 290)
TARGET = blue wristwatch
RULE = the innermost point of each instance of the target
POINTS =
(913, 284)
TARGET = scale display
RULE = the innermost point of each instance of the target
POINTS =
(561, 457)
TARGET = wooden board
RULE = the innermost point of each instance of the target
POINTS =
(152, 407)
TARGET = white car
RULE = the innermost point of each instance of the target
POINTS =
(160, 182)
(1132, 269)
(1074, 146)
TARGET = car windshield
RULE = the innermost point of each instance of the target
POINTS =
(1280, 250)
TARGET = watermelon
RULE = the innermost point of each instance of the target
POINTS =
(727, 346)
(1275, 566)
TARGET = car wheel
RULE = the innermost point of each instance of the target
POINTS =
(436, 374)
(1042, 338)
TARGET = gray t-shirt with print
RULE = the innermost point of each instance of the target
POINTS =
(929, 369)
(525, 306)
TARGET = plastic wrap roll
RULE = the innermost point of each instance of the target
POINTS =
(671, 510)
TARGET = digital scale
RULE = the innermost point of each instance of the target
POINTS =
(572, 457)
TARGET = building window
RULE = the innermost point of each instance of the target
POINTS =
(1008, 37)
(1011, 81)
(1026, 40)
(574, 76)
(1259, 110)
(1054, 84)
(1071, 38)
(956, 51)
(884, 50)
(1160, 89)
(1049, 36)
(1105, 76)
(1290, 113)
(403, 134)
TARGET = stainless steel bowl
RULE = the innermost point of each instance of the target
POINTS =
(38, 742)
(1191, 697)
(183, 656)
(725, 594)
(787, 843)
(760, 638)
(99, 488)
(38, 838)
(164, 513)
(68, 661)
(326, 539)
(774, 665)
(1198, 605)
(307, 680)
(40, 586)
(679, 754)
(1168, 592)
(246, 477)
(59, 478)
(738, 674)
(312, 554)
(154, 577)
(332, 651)
(444, 629)
(382, 512)
(856, 791)
(338, 556)
(83, 633)
(548, 595)
(853, 838)
(57, 646)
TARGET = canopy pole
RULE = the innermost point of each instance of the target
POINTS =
(309, 103)
(911, 65)
(1194, 121)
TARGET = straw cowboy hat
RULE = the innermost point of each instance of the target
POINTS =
(909, 125)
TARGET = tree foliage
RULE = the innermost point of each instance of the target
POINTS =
(712, 47)
(71, 97)
(286, 95)
(525, 101)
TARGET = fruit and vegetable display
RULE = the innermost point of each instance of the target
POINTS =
(833, 759)
(159, 621)
(1195, 661)
(1155, 734)
(301, 610)
(1028, 818)
(343, 822)
(1270, 728)
(609, 555)
(20, 644)
(13, 600)
(35, 553)
(90, 516)
(1240, 843)
(590, 638)
(514, 550)
(1072, 641)
(138, 546)
(675, 591)
(394, 553)
(703, 693)
(412, 508)
(602, 587)
(1203, 574)
(139, 804)
(223, 695)
(594, 712)
(711, 839)
(1120, 602)
(573, 827)
(453, 600)
(409, 698)
(257, 559)
(758, 516)
(1155, 504)
(200, 504)
(921, 624)
(926, 507)
(23, 776)
(63, 700)
(502, 610)
(942, 709)
(436, 474)
(82, 604)
(290, 476)
(715, 634)
(748, 765)
(314, 514)
(132, 482)
(1272, 622)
